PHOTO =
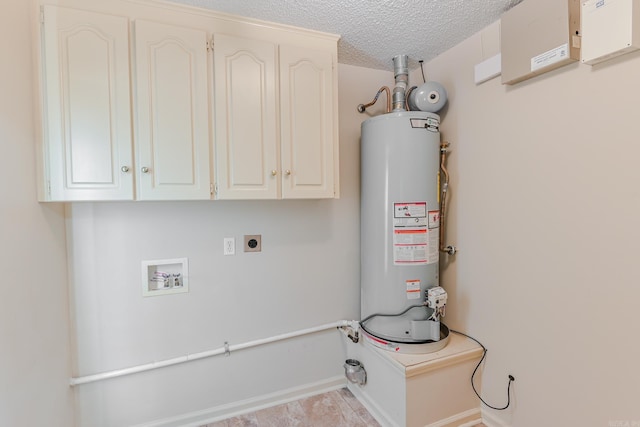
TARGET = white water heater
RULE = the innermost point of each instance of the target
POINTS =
(401, 300)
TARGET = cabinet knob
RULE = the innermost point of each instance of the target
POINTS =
(144, 169)
(274, 172)
(287, 172)
(125, 169)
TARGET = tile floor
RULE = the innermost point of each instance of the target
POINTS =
(333, 409)
(337, 408)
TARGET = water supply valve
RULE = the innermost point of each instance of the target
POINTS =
(437, 300)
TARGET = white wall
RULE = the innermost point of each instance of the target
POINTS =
(544, 204)
(545, 208)
(34, 340)
(306, 275)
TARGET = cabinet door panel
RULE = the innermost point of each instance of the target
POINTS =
(172, 112)
(246, 150)
(88, 117)
(306, 88)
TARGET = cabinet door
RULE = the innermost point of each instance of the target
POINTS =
(172, 127)
(87, 126)
(246, 118)
(307, 123)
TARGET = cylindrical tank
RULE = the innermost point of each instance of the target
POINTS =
(400, 221)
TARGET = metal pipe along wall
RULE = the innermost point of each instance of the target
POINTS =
(196, 356)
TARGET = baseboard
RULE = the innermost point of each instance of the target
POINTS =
(378, 413)
(463, 419)
(490, 420)
(472, 423)
(218, 413)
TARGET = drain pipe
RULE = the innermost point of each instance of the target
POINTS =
(344, 325)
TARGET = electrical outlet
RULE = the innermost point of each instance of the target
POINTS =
(253, 243)
(229, 246)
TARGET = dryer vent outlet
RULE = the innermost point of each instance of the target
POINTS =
(253, 243)
(354, 371)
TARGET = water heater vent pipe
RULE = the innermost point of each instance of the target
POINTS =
(401, 75)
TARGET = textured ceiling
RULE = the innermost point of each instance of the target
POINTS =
(374, 31)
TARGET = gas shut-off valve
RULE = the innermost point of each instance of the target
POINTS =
(436, 300)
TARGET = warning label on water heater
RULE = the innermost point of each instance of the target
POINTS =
(413, 235)
(413, 289)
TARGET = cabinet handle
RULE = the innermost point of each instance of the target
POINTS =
(125, 169)
(144, 169)
(274, 172)
(287, 172)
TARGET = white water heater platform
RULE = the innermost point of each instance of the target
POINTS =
(419, 390)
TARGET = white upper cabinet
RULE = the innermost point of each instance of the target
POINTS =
(172, 115)
(246, 118)
(306, 102)
(87, 152)
(139, 104)
(273, 143)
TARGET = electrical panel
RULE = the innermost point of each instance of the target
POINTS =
(539, 36)
(609, 29)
